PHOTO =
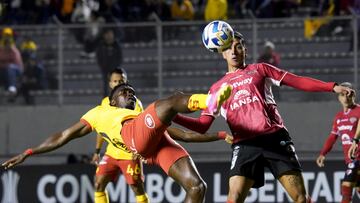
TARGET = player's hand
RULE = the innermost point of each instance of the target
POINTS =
(95, 159)
(229, 138)
(352, 151)
(14, 161)
(342, 89)
(320, 161)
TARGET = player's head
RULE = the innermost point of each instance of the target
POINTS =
(269, 47)
(109, 36)
(347, 100)
(123, 96)
(236, 54)
(116, 77)
(240, 37)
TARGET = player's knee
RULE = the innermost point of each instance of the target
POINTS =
(301, 198)
(99, 186)
(198, 188)
(138, 188)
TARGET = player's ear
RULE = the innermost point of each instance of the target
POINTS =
(224, 55)
(113, 102)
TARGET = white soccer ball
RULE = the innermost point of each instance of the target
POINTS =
(217, 36)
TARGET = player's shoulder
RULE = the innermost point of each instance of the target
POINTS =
(357, 108)
(96, 109)
(266, 66)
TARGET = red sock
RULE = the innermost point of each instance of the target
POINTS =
(308, 200)
(346, 192)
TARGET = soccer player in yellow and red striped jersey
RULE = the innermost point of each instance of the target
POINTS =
(144, 133)
(116, 158)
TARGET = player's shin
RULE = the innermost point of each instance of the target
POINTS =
(101, 197)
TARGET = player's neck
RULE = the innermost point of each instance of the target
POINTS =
(235, 68)
(350, 106)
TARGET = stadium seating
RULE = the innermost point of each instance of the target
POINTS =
(187, 66)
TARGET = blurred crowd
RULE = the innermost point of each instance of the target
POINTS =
(81, 11)
(20, 68)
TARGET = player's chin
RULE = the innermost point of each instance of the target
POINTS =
(234, 63)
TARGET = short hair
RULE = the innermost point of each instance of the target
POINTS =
(119, 71)
(347, 84)
(118, 87)
(269, 44)
(239, 36)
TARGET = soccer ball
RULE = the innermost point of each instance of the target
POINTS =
(217, 36)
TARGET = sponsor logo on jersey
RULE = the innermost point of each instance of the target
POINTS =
(345, 139)
(345, 127)
(240, 94)
(115, 142)
(247, 100)
(242, 82)
(353, 119)
(252, 72)
(149, 121)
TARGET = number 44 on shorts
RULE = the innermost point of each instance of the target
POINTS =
(136, 170)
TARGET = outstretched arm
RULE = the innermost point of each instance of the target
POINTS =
(313, 85)
(200, 125)
(190, 136)
(53, 142)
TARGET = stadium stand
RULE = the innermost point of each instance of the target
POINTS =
(187, 64)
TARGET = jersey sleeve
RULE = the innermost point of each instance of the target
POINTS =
(334, 128)
(307, 84)
(275, 74)
(330, 141)
(90, 118)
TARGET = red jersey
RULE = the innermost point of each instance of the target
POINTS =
(251, 109)
(344, 126)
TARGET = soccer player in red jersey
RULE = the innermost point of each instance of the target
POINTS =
(145, 133)
(260, 137)
(345, 125)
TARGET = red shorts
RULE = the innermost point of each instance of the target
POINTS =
(146, 135)
(131, 169)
